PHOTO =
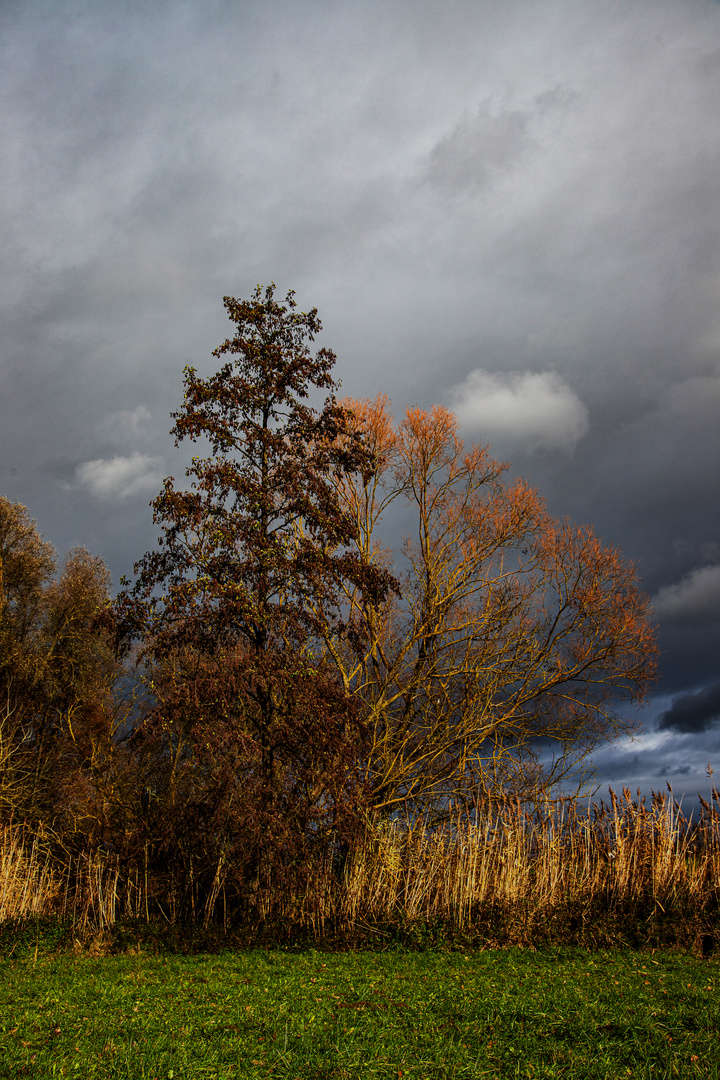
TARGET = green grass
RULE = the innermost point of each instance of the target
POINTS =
(273, 1013)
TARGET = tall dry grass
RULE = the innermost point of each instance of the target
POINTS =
(612, 856)
(507, 872)
(29, 883)
(36, 881)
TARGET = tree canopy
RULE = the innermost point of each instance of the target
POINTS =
(514, 643)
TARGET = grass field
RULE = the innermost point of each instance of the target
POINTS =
(274, 1013)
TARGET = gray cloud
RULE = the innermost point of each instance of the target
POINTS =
(526, 191)
(695, 598)
(693, 712)
(126, 425)
(121, 477)
(478, 149)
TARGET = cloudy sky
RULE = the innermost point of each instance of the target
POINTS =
(509, 208)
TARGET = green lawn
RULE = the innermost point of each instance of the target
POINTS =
(258, 1013)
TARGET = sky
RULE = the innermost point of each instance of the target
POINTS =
(511, 209)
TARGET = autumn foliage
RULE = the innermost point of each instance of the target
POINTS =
(513, 642)
(58, 678)
(253, 735)
(277, 680)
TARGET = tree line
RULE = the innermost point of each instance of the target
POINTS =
(275, 678)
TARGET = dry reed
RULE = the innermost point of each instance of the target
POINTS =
(29, 883)
(558, 863)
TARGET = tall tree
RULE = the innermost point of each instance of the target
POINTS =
(248, 573)
(516, 638)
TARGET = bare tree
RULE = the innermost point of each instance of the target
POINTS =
(515, 639)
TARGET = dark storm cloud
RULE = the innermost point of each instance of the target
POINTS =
(512, 206)
(693, 712)
(657, 758)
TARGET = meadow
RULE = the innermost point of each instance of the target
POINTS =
(394, 1013)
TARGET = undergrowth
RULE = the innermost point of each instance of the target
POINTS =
(617, 874)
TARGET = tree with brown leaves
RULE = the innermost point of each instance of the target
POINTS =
(256, 731)
(57, 674)
(515, 639)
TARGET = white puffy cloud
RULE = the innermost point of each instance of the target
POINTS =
(696, 596)
(121, 477)
(537, 410)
